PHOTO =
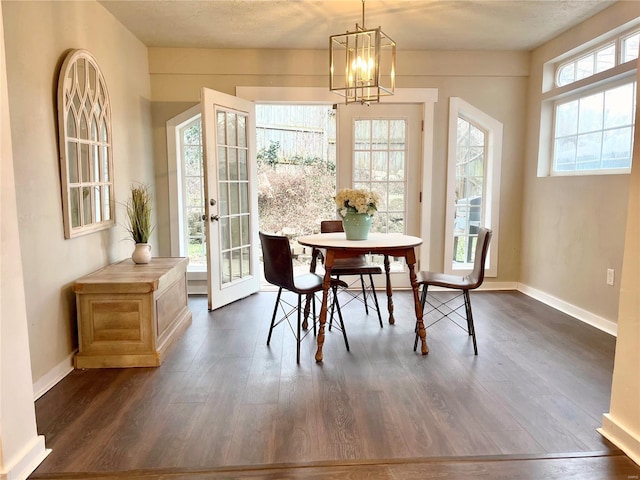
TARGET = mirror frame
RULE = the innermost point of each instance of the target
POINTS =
(86, 156)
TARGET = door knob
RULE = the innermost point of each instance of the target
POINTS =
(215, 218)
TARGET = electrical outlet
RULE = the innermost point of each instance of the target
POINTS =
(610, 276)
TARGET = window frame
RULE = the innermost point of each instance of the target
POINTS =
(584, 93)
(491, 185)
(177, 216)
(553, 94)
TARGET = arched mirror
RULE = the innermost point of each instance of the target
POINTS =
(86, 166)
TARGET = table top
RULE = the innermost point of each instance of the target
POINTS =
(375, 241)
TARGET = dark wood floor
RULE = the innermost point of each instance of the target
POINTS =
(223, 399)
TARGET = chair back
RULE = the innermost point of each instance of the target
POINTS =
(476, 277)
(331, 226)
(277, 259)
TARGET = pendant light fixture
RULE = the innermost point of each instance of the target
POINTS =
(362, 64)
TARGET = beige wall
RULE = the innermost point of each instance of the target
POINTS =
(20, 446)
(37, 35)
(573, 227)
(622, 424)
(495, 82)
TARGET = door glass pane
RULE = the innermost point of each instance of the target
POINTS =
(386, 174)
(225, 237)
(234, 198)
(225, 267)
(246, 234)
(242, 130)
(232, 138)
(223, 198)
(221, 130)
(242, 164)
(233, 164)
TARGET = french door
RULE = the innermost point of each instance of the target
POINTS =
(380, 148)
(231, 199)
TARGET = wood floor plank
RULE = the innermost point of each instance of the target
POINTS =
(596, 467)
(539, 385)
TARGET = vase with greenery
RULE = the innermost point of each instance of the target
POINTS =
(356, 208)
(139, 224)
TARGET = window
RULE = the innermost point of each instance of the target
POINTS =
(193, 170)
(588, 114)
(473, 185)
(595, 131)
(84, 117)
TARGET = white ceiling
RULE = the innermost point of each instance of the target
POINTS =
(307, 24)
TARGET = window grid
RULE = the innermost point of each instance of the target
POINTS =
(233, 192)
(595, 131)
(622, 49)
(380, 152)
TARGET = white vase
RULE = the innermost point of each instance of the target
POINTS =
(141, 253)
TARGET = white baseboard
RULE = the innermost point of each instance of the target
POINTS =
(33, 456)
(53, 376)
(621, 437)
(600, 323)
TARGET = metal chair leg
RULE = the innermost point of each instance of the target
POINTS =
(299, 324)
(275, 311)
(364, 295)
(344, 331)
(375, 299)
(472, 328)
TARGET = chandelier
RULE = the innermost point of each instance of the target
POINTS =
(362, 64)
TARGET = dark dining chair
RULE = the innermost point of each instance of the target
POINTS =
(457, 282)
(357, 266)
(278, 271)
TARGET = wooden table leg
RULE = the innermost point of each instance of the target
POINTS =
(422, 332)
(326, 284)
(307, 309)
(387, 270)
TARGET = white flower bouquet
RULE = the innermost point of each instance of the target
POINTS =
(357, 201)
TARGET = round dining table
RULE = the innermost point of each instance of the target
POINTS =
(337, 246)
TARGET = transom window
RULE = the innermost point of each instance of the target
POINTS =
(622, 49)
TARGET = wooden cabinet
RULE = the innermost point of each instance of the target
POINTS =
(129, 315)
